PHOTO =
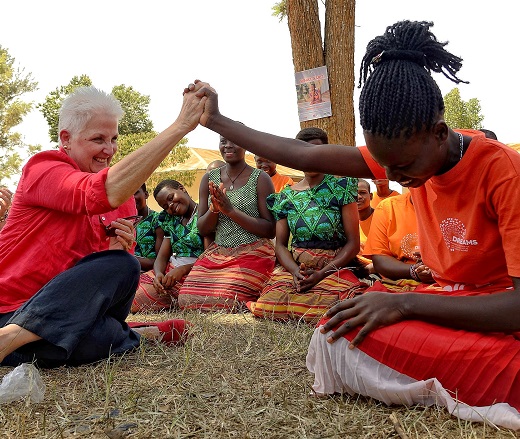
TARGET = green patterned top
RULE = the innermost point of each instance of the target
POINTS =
(314, 215)
(185, 239)
(245, 198)
(145, 236)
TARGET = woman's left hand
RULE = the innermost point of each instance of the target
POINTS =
(125, 236)
(371, 311)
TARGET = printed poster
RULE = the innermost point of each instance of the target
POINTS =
(313, 94)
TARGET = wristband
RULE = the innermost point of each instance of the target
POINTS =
(413, 273)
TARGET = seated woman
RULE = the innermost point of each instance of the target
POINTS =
(393, 245)
(182, 245)
(68, 273)
(320, 212)
(453, 343)
(149, 235)
(234, 268)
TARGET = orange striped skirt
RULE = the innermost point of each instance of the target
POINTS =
(226, 278)
(280, 300)
(148, 299)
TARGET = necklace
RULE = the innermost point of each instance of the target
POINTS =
(461, 145)
(192, 214)
(232, 185)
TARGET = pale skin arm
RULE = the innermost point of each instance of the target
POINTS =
(126, 176)
(330, 159)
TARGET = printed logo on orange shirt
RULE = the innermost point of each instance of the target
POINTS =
(410, 245)
(454, 234)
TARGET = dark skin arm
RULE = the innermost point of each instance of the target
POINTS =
(208, 219)
(283, 254)
(330, 159)
(392, 268)
(487, 313)
(147, 263)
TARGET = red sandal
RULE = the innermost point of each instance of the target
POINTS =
(174, 332)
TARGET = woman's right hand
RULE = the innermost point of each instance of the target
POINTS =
(193, 105)
(158, 283)
(5, 201)
(204, 91)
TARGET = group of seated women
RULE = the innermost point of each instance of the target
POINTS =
(219, 255)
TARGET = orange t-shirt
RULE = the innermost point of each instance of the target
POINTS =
(468, 219)
(280, 181)
(376, 199)
(394, 230)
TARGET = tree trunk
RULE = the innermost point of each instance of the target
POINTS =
(308, 52)
(339, 56)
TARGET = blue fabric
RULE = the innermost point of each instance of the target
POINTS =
(80, 314)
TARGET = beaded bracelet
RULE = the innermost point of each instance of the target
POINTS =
(413, 273)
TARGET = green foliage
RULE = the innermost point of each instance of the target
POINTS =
(280, 10)
(135, 127)
(135, 105)
(130, 142)
(461, 114)
(13, 83)
(51, 107)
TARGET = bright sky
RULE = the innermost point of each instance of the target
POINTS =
(159, 46)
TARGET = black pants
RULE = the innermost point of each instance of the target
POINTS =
(80, 314)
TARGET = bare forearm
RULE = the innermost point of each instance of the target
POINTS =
(493, 312)
(285, 258)
(330, 159)
(346, 254)
(390, 267)
(126, 176)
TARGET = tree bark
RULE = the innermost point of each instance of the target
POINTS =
(337, 53)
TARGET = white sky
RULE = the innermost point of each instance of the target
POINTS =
(160, 46)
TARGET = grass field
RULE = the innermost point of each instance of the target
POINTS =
(237, 377)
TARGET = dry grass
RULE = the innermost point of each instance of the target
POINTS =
(237, 377)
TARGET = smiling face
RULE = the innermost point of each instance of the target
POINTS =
(411, 162)
(265, 165)
(364, 196)
(230, 152)
(174, 201)
(93, 147)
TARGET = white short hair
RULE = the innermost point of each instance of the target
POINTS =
(79, 107)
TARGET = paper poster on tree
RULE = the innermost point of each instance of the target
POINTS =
(313, 94)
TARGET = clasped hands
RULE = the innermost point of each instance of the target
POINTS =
(305, 278)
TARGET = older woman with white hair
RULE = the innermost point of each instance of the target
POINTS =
(67, 275)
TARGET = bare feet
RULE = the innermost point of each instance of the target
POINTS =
(12, 337)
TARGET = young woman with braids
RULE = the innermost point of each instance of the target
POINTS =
(458, 335)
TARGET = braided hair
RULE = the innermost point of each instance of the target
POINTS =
(400, 96)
